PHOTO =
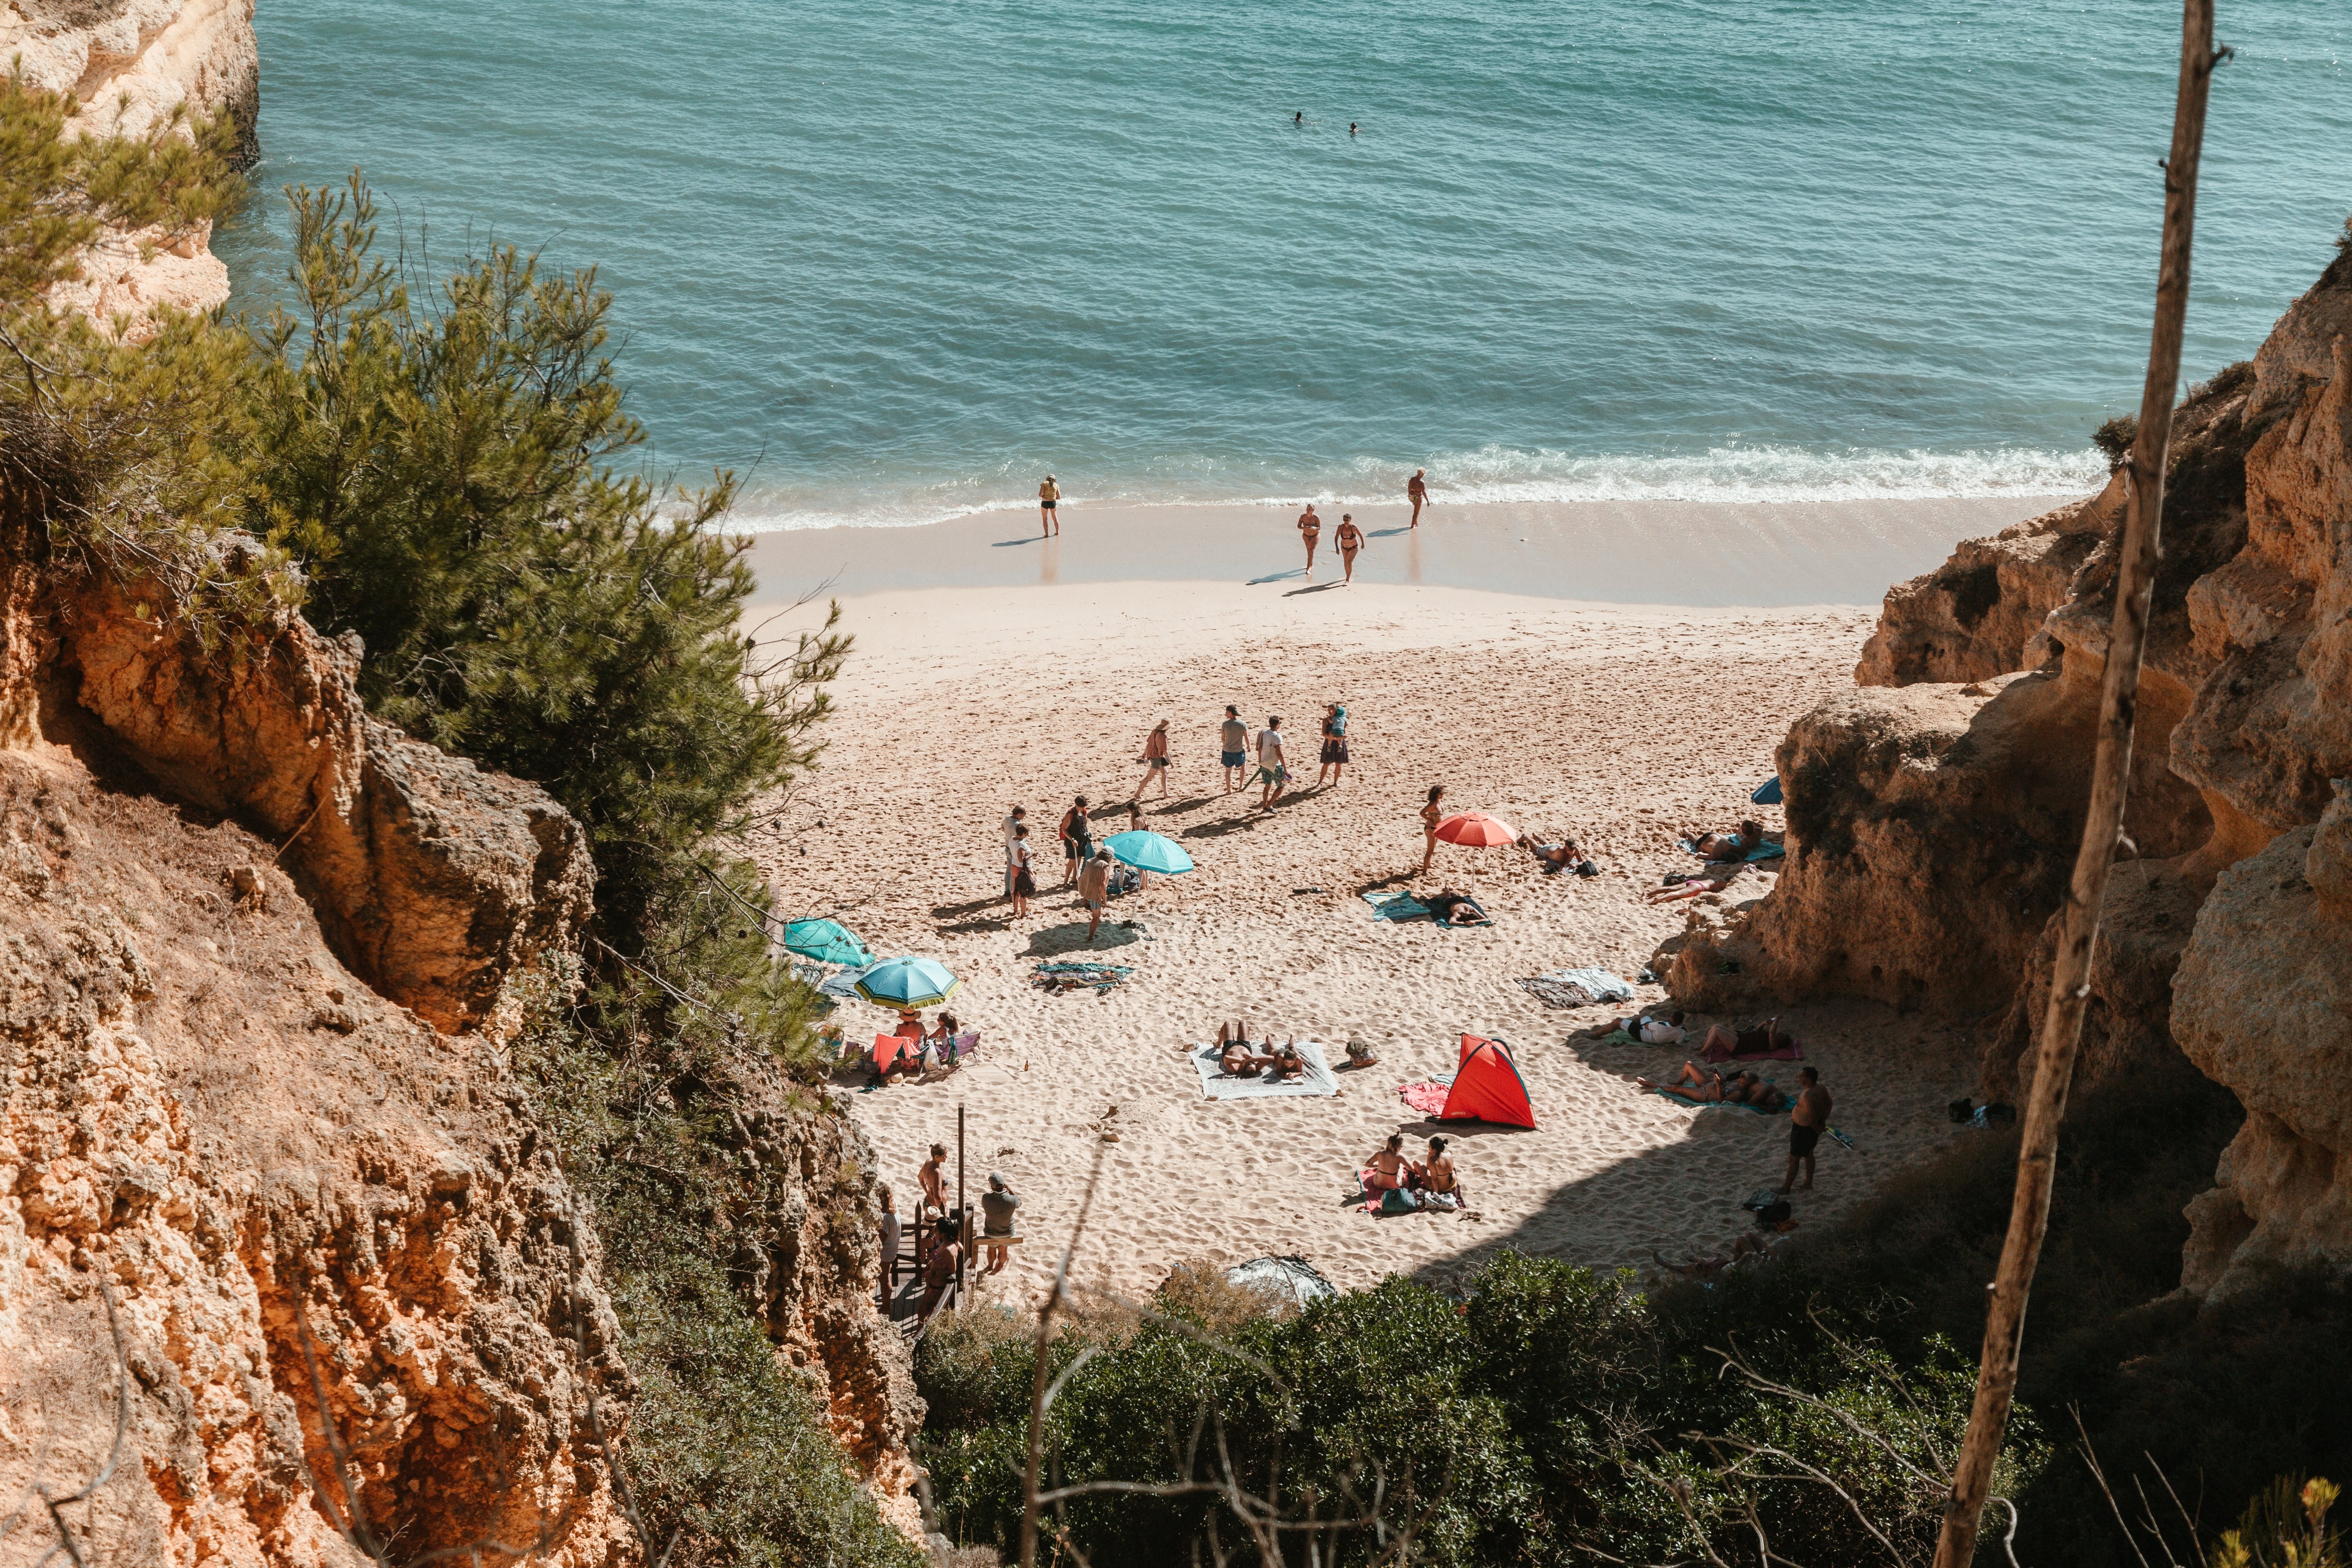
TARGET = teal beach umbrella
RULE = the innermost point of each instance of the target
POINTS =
(827, 941)
(1149, 852)
(908, 983)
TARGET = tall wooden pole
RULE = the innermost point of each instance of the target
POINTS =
(2062, 1025)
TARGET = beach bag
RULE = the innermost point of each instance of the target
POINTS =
(1445, 1201)
(1396, 1200)
(1588, 870)
(1961, 1109)
(1773, 1215)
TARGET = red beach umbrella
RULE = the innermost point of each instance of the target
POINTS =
(1477, 828)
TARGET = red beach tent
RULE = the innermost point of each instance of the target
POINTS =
(1487, 1086)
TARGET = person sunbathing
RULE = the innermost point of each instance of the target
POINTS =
(1554, 857)
(1287, 1062)
(1234, 1054)
(1742, 1250)
(1390, 1168)
(1766, 1039)
(1436, 1172)
(1693, 887)
(1724, 846)
(1692, 1083)
(1456, 908)
(1647, 1027)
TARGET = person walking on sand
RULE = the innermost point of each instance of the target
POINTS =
(1049, 502)
(1013, 819)
(1077, 831)
(1024, 884)
(1093, 889)
(1806, 1119)
(1271, 770)
(1232, 738)
(1416, 491)
(1429, 818)
(1335, 745)
(1310, 529)
(1351, 539)
(1154, 760)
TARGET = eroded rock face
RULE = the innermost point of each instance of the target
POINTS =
(2262, 1003)
(436, 881)
(1934, 814)
(1975, 617)
(315, 1215)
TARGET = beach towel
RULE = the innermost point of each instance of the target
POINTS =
(1289, 1276)
(1577, 988)
(1396, 905)
(841, 982)
(1613, 1038)
(1060, 977)
(1768, 850)
(1215, 1085)
(1426, 1095)
(1719, 1104)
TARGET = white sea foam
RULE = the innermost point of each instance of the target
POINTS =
(1494, 475)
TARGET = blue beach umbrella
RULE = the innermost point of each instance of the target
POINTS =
(827, 941)
(908, 983)
(1149, 852)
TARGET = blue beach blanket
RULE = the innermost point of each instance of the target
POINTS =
(1396, 905)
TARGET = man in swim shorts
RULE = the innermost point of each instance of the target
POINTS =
(1049, 498)
(1234, 737)
(1270, 764)
(1810, 1115)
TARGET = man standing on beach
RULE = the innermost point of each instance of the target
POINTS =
(1416, 489)
(1018, 815)
(1270, 765)
(1093, 889)
(1235, 749)
(1806, 1119)
(1049, 501)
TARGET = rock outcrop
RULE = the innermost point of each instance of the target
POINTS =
(317, 1221)
(132, 63)
(1934, 813)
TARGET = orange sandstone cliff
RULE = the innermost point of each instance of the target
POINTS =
(259, 957)
(1933, 812)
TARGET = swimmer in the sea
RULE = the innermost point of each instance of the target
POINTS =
(1299, 118)
(1351, 128)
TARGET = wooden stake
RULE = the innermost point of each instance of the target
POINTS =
(2061, 1025)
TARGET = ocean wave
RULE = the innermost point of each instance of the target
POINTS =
(1490, 476)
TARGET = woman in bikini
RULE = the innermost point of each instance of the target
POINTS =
(1310, 529)
(1390, 1167)
(1349, 540)
(1429, 819)
(1436, 1172)
(1154, 760)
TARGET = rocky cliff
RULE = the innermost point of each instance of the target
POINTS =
(260, 957)
(1933, 812)
(132, 63)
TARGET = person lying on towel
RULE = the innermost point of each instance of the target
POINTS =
(1234, 1056)
(1763, 1041)
(1720, 847)
(1457, 908)
(1710, 1089)
(1651, 1029)
(1287, 1062)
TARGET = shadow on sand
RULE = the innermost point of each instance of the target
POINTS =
(1054, 941)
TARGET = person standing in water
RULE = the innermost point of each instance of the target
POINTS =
(1310, 529)
(1049, 500)
(1416, 489)
(1349, 540)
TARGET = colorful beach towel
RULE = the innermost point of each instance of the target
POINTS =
(1215, 1085)
(1426, 1095)
(1396, 904)
(1060, 977)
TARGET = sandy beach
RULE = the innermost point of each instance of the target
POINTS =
(1621, 724)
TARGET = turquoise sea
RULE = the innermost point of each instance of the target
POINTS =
(896, 258)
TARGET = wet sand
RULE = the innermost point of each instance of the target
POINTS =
(1703, 554)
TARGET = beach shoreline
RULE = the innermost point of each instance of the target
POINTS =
(1700, 554)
